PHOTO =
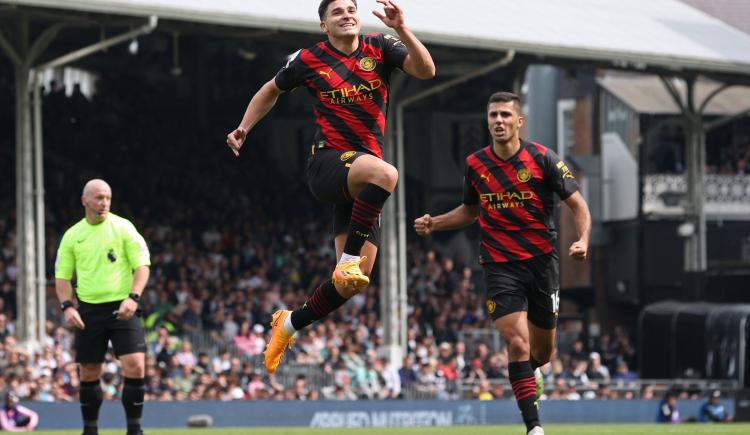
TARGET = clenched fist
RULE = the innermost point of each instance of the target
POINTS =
(423, 225)
(578, 250)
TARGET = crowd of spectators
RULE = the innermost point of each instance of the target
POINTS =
(230, 244)
(335, 359)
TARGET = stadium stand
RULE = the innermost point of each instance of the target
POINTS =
(230, 245)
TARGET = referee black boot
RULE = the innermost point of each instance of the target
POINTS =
(137, 432)
(91, 431)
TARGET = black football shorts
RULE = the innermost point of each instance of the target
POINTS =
(327, 171)
(102, 327)
(528, 285)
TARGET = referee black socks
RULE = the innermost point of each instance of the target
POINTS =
(365, 212)
(133, 393)
(90, 396)
(521, 377)
(324, 300)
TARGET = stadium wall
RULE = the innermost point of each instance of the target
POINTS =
(364, 413)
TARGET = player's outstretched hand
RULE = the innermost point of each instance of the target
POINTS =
(423, 225)
(72, 318)
(235, 140)
(392, 16)
(578, 250)
(127, 309)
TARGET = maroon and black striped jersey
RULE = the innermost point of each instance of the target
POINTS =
(350, 92)
(515, 200)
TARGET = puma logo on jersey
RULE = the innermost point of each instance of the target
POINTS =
(325, 73)
(485, 177)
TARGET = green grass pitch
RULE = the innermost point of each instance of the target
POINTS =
(550, 429)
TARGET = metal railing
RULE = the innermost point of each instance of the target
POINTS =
(726, 196)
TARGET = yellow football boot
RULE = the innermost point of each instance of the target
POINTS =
(280, 341)
(347, 274)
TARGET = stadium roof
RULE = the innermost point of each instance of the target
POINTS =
(647, 94)
(634, 34)
(733, 12)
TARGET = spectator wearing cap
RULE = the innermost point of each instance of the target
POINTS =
(713, 411)
(445, 352)
(596, 370)
(17, 418)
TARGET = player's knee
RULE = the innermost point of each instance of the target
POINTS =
(518, 346)
(90, 372)
(134, 368)
(386, 177)
(391, 177)
(136, 372)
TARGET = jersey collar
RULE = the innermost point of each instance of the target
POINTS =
(493, 154)
(341, 53)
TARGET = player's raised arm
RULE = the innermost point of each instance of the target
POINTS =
(579, 249)
(259, 106)
(418, 62)
(459, 217)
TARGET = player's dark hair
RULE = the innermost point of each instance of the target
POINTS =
(505, 97)
(324, 6)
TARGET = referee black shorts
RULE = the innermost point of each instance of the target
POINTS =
(327, 171)
(531, 285)
(102, 326)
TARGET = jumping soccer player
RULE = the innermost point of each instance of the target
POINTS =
(509, 185)
(348, 77)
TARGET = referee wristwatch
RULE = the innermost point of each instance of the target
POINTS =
(136, 297)
(65, 305)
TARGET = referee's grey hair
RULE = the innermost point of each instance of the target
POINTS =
(324, 7)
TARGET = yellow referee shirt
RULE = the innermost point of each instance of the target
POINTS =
(103, 257)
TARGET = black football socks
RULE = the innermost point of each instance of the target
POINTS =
(521, 377)
(90, 396)
(132, 400)
(324, 300)
(365, 212)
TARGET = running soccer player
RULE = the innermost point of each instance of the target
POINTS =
(111, 262)
(509, 186)
(348, 77)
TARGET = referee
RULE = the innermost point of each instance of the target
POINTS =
(111, 263)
